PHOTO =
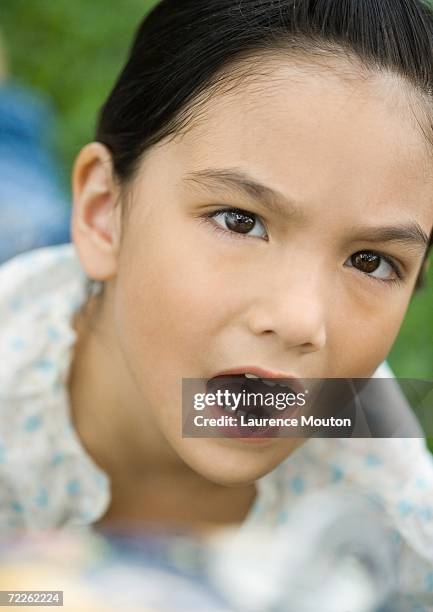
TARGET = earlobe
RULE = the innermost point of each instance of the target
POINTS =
(96, 217)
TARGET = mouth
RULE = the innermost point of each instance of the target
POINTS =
(260, 392)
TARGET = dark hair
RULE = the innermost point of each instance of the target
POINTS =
(183, 49)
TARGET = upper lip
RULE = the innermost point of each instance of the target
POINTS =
(291, 380)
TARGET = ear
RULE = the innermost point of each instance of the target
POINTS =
(96, 220)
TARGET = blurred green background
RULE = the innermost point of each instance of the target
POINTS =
(73, 50)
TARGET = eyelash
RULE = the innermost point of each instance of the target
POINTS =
(228, 233)
(397, 281)
(236, 235)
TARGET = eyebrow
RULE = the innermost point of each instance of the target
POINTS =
(232, 178)
(410, 234)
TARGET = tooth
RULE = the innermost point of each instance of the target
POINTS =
(269, 383)
(248, 375)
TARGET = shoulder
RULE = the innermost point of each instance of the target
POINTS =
(46, 477)
(33, 274)
(395, 474)
(391, 477)
(39, 292)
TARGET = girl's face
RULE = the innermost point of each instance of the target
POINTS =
(313, 279)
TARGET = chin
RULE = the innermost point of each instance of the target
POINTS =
(234, 463)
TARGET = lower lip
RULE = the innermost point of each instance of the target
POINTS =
(241, 433)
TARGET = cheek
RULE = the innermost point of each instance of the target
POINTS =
(170, 304)
(363, 340)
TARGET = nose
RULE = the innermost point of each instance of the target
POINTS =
(292, 310)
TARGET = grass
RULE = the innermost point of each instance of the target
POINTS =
(73, 50)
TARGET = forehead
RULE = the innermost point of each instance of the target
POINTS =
(318, 135)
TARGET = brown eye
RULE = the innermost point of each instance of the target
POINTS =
(238, 221)
(366, 262)
(375, 265)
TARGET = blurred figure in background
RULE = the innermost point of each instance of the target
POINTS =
(34, 211)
